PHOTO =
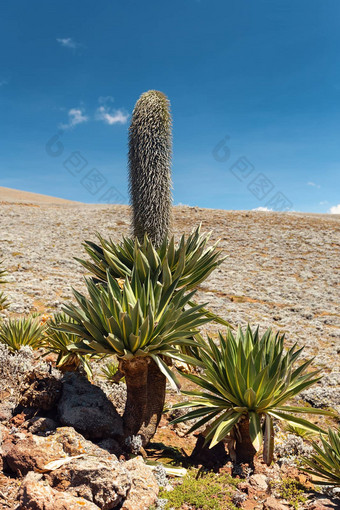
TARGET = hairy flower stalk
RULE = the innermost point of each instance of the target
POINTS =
(150, 149)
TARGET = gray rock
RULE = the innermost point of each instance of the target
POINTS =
(111, 445)
(323, 396)
(259, 481)
(144, 488)
(26, 452)
(102, 481)
(272, 503)
(40, 426)
(86, 471)
(293, 447)
(85, 407)
(35, 494)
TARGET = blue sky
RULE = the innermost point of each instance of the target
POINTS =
(254, 87)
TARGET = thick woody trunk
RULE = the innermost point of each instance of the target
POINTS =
(136, 377)
(156, 384)
(244, 448)
(145, 397)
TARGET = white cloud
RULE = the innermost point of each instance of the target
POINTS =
(75, 116)
(265, 209)
(104, 113)
(310, 183)
(111, 116)
(335, 209)
(68, 42)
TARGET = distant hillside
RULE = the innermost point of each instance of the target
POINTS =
(9, 195)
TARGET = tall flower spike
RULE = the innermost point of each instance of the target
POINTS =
(150, 149)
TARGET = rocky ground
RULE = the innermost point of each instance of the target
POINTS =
(45, 464)
(281, 270)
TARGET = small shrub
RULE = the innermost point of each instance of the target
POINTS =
(134, 444)
(160, 474)
(292, 448)
(292, 491)
(207, 492)
(27, 331)
(14, 364)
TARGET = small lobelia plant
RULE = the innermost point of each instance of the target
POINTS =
(246, 384)
(16, 333)
(111, 372)
(325, 462)
(3, 274)
(143, 324)
(4, 303)
(299, 431)
(59, 342)
(150, 150)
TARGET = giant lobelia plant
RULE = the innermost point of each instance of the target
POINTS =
(144, 323)
(246, 384)
(155, 262)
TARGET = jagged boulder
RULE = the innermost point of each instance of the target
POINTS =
(65, 465)
(35, 494)
(102, 480)
(144, 488)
